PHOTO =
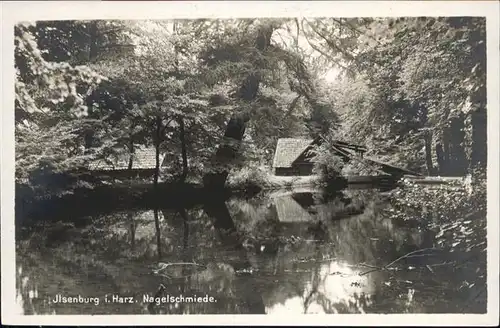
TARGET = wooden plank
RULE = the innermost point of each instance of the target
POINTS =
(341, 152)
(358, 158)
(343, 144)
(434, 180)
(340, 148)
(340, 142)
(391, 167)
(368, 179)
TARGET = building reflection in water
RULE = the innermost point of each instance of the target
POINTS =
(319, 273)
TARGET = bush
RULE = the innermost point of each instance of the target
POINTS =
(248, 177)
(327, 165)
(459, 214)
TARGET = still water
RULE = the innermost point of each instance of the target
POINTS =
(286, 252)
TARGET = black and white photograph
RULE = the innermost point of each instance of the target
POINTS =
(280, 165)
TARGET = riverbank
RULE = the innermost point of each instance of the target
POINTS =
(93, 195)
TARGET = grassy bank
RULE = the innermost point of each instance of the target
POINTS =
(263, 179)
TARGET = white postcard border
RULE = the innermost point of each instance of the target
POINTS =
(17, 11)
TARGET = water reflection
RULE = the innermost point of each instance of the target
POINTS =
(282, 253)
(334, 287)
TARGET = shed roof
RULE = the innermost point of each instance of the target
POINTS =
(144, 158)
(288, 150)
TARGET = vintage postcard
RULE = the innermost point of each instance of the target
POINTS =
(213, 163)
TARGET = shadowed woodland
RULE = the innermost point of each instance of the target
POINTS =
(215, 96)
(211, 99)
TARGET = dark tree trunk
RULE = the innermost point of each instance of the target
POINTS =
(428, 152)
(88, 136)
(478, 119)
(185, 256)
(158, 232)
(446, 152)
(479, 139)
(93, 41)
(440, 159)
(458, 158)
(185, 221)
(224, 224)
(235, 129)
(183, 150)
(226, 152)
(132, 230)
(131, 154)
(157, 141)
(88, 140)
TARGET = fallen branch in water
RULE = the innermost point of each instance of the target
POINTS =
(315, 260)
(408, 255)
(387, 266)
(170, 277)
(164, 266)
(370, 271)
(369, 266)
(440, 264)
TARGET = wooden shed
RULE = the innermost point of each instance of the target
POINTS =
(293, 156)
(143, 164)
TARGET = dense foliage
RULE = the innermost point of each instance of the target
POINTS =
(212, 97)
(50, 107)
(411, 89)
(416, 94)
(94, 90)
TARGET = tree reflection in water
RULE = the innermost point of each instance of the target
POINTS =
(250, 255)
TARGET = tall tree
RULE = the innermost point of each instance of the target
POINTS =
(236, 126)
(426, 80)
(83, 42)
(50, 99)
